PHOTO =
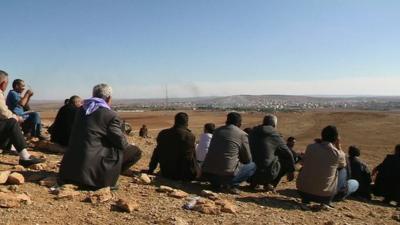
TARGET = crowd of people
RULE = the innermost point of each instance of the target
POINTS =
(97, 151)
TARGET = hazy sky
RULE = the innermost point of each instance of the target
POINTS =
(202, 47)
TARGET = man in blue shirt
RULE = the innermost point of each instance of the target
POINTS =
(19, 105)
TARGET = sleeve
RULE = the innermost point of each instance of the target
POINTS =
(5, 113)
(341, 159)
(244, 150)
(115, 135)
(155, 156)
(285, 155)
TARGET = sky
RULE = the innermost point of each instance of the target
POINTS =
(202, 47)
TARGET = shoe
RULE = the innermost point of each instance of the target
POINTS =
(31, 161)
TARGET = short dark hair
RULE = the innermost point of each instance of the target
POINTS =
(354, 151)
(397, 150)
(234, 118)
(16, 82)
(181, 119)
(291, 138)
(73, 99)
(330, 133)
(209, 128)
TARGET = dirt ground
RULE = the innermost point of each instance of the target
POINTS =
(376, 133)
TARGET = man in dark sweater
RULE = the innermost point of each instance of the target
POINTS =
(360, 172)
(175, 151)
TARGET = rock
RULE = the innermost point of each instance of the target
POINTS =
(329, 223)
(39, 166)
(12, 200)
(209, 194)
(144, 178)
(127, 206)
(100, 196)
(165, 189)
(4, 190)
(4, 176)
(207, 208)
(227, 206)
(16, 178)
(13, 188)
(48, 181)
(67, 194)
(178, 194)
(18, 168)
(396, 217)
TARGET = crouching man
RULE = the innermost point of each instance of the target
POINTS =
(98, 150)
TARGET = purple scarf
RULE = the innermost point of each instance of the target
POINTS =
(92, 104)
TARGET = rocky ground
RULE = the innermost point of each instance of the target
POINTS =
(143, 199)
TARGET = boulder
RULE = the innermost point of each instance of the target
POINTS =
(207, 208)
(12, 200)
(127, 206)
(100, 196)
(16, 178)
(165, 189)
(4, 176)
(226, 206)
(178, 194)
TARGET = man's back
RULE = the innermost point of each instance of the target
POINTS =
(61, 128)
(319, 174)
(175, 152)
(228, 146)
(12, 102)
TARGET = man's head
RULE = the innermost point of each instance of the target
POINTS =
(182, 119)
(270, 120)
(354, 151)
(290, 142)
(397, 150)
(75, 101)
(18, 85)
(330, 134)
(3, 80)
(209, 128)
(234, 118)
(103, 91)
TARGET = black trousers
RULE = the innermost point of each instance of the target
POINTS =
(10, 133)
(132, 154)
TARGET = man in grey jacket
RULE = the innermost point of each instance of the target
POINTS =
(229, 162)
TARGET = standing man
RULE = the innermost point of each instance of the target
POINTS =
(10, 132)
(20, 106)
(228, 161)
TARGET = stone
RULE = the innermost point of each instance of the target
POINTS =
(165, 189)
(144, 178)
(207, 208)
(178, 194)
(13, 188)
(100, 196)
(18, 168)
(209, 194)
(127, 206)
(16, 178)
(49, 181)
(227, 206)
(39, 166)
(4, 176)
(12, 200)
(66, 194)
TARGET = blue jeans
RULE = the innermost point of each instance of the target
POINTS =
(244, 173)
(33, 118)
(351, 185)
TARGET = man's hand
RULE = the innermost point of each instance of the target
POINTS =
(337, 144)
(29, 92)
(290, 176)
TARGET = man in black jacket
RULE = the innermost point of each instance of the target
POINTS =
(60, 130)
(175, 151)
(98, 150)
(271, 155)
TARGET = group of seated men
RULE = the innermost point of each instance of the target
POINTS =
(98, 152)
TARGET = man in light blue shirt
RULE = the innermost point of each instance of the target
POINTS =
(19, 105)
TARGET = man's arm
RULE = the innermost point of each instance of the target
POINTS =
(115, 135)
(285, 155)
(155, 157)
(26, 98)
(244, 150)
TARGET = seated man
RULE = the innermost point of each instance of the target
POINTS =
(98, 150)
(228, 161)
(387, 182)
(290, 142)
(360, 173)
(271, 155)
(204, 142)
(18, 105)
(323, 176)
(10, 132)
(60, 130)
(143, 131)
(175, 151)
